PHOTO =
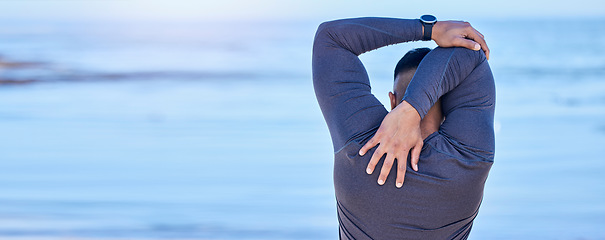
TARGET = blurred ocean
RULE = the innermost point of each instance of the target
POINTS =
(210, 130)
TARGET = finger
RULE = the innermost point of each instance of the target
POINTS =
(369, 145)
(416, 155)
(401, 169)
(386, 168)
(467, 43)
(374, 160)
(477, 37)
(483, 44)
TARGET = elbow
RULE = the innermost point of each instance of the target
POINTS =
(324, 29)
(338, 34)
(326, 35)
(319, 42)
(333, 28)
(330, 25)
(320, 34)
(323, 26)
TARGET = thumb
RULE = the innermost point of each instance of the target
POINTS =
(467, 43)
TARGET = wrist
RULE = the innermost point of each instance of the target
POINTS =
(405, 108)
(437, 30)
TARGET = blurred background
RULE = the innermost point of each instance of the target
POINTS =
(183, 119)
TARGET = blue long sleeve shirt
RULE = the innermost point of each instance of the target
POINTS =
(441, 200)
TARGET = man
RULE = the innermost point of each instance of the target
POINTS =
(444, 116)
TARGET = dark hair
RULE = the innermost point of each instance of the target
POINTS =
(411, 60)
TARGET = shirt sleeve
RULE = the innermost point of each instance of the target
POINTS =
(463, 80)
(341, 83)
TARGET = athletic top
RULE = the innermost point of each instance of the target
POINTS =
(441, 200)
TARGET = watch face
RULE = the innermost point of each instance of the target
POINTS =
(428, 18)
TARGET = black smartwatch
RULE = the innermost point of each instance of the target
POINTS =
(428, 21)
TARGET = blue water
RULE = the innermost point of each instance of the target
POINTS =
(206, 130)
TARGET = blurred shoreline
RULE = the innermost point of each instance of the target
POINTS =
(23, 72)
(6, 65)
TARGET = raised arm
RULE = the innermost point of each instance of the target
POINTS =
(463, 80)
(399, 132)
(341, 83)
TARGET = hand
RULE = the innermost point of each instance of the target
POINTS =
(459, 34)
(398, 133)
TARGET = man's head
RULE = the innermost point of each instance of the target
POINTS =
(404, 71)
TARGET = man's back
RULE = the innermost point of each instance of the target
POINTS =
(439, 201)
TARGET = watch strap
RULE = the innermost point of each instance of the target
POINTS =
(428, 31)
(428, 21)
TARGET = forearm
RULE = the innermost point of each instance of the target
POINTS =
(464, 82)
(360, 35)
(442, 70)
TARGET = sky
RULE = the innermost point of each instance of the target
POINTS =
(280, 9)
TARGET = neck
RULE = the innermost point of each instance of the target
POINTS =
(431, 121)
(428, 127)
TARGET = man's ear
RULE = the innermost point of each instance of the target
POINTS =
(393, 100)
